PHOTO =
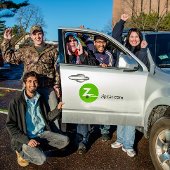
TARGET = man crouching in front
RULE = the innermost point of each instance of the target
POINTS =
(28, 124)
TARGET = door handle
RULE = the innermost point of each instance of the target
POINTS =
(79, 78)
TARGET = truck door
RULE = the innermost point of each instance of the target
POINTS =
(95, 95)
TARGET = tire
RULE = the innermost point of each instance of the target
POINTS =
(159, 144)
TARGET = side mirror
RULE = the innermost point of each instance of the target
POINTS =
(127, 62)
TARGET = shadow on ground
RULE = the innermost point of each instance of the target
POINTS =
(100, 155)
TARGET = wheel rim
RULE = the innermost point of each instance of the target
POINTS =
(162, 147)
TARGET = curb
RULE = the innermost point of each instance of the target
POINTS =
(8, 88)
(4, 112)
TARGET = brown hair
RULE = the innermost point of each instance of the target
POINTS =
(69, 37)
(29, 74)
(128, 45)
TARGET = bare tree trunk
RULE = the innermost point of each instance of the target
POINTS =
(141, 5)
(133, 7)
(167, 6)
(150, 2)
(159, 7)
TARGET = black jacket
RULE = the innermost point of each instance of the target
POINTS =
(85, 60)
(140, 54)
(118, 30)
(16, 124)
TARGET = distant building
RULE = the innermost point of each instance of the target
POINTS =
(133, 7)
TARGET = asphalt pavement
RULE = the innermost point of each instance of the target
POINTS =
(100, 155)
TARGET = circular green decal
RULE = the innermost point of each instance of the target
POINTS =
(88, 93)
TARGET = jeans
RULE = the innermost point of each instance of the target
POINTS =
(104, 129)
(36, 155)
(83, 129)
(126, 136)
(51, 99)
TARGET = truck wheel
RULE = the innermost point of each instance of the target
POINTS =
(159, 144)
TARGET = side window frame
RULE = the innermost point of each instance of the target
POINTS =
(115, 44)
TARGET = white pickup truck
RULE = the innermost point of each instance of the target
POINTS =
(127, 94)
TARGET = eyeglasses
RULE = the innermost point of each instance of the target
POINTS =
(100, 42)
(73, 40)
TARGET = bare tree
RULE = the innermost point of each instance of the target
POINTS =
(8, 8)
(140, 10)
(28, 16)
(108, 27)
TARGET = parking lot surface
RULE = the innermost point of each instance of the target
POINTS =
(100, 155)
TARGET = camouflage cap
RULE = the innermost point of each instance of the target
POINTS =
(36, 28)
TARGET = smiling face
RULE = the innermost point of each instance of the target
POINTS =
(134, 39)
(72, 43)
(37, 37)
(100, 45)
(31, 85)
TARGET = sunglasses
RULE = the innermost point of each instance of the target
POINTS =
(73, 40)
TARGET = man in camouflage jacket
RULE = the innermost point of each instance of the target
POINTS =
(39, 57)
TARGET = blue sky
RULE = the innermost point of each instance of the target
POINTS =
(94, 14)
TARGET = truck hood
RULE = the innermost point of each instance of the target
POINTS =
(166, 70)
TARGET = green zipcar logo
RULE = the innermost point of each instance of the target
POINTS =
(88, 93)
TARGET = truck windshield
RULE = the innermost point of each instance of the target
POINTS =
(159, 45)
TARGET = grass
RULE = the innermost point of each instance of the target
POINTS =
(3, 110)
(1, 95)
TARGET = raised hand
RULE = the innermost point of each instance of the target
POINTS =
(80, 49)
(82, 26)
(8, 33)
(144, 44)
(124, 17)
